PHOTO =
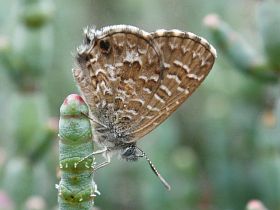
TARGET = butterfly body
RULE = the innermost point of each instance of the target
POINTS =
(133, 80)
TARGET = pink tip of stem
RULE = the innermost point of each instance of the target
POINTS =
(73, 97)
(255, 205)
(212, 20)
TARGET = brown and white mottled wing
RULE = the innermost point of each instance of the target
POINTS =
(187, 60)
(118, 75)
(133, 80)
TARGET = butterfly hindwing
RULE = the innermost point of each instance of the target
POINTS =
(187, 60)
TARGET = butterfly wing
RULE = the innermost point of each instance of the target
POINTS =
(118, 73)
(187, 60)
(133, 80)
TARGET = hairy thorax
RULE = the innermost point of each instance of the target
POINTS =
(110, 137)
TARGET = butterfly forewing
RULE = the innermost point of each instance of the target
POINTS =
(124, 69)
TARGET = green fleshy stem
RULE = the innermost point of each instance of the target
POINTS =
(36, 14)
(76, 189)
(268, 20)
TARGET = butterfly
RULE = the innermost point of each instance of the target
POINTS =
(133, 80)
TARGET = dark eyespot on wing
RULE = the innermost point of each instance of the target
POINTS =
(104, 46)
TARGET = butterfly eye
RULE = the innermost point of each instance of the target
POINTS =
(105, 46)
(128, 152)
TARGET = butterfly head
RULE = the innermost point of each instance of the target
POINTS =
(131, 153)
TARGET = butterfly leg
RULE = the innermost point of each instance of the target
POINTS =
(102, 151)
(106, 162)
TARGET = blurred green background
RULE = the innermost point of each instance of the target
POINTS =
(220, 150)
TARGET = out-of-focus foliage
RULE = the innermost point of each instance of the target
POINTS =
(218, 151)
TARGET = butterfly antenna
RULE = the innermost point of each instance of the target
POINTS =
(163, 181)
